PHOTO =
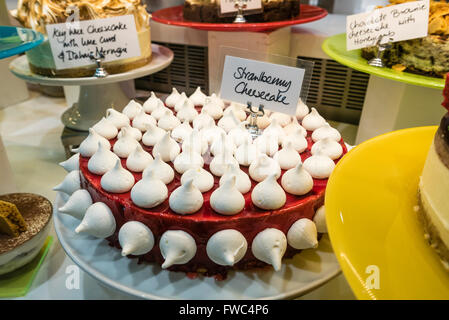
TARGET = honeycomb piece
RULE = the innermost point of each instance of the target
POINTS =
(11, 221)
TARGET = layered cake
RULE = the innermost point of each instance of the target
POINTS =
(37, 14)
(24, 226)
(209, 11)
(183, 184)
(429, 55)
(434, 188)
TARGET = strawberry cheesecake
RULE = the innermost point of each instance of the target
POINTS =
(182, 183)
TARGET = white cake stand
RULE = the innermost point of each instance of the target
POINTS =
(96, 94)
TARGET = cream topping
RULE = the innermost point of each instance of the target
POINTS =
(268, 194)
(132, 109)
(177, 247)
(262, 167)
(106, 128)
(98, 221)
(297, 181)
(153, 135)
(226, 247)
(186, 199)
(242, 180)
(313, 121)
(167, 148)
(227, 199)
(135, 238)
(102, 161)
(202, 179)
(287, 157)
(138, 160)
(303, 234)
(150, 191)
(269, 246)
(72, 163)
(162, 170)
(77, 204)
(70, 184)
(117, 180)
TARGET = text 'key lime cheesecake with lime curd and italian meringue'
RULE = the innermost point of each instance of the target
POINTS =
(183, 184)
(37, 14)
(434, 188)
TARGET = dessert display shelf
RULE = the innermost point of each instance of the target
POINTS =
(174, 16)
(96, 94)
(394, 99)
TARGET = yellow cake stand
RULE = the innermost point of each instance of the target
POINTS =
(371, 201)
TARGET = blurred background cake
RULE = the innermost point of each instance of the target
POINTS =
(272, 10)
(36, 14)
(429, 55)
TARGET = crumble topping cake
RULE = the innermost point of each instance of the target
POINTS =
(184, 185)
(272, 10)
(434, 187)
(429, 55)
(36, 14)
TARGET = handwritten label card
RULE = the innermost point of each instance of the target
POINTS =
(228, 6)
(72, 43)
(399, 22)
(275, 86)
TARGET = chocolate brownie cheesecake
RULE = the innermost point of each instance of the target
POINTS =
(272, 10)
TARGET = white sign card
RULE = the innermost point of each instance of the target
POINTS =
(72, 43)
(228, 6)
(275, 86)
(399, 22)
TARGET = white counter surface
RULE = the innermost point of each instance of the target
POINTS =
(31, 133)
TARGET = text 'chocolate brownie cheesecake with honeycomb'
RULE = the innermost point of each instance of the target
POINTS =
(183, 183)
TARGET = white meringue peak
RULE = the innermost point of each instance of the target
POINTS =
(211, 132)
(262, 122)
(152, 103)
(90, 145)
(168, 121)
(153, 135)
(246, 153)
(213, 109)
(275, 129)
(182, 132)
(303, 234)
(187, 113)
(281, 118)
(198, 97)
(134, 132)
(220, 162)
(294, 126)
(227, 199)
(188, 159)
(301, 110)
(298, 141)
(242, 180)
(98, 221)
(177, 247)
(70, 184)
(267, 143)
(186, 199)
(167, 148)
(297, 181)
(117, 180)
(77, 204)
(229, 121)
(160, 111)
(238, 109)
(240, 134)
(106, 128)
(226, 247)
(263, 167)
(269, 246)
(313, 120)
(287, 157)
(224, 142)
(132, 109)
(202, 179)
(117, 118)
(135, 238)
(320, 220)
(319, 166)
(102, 161)
(202, 120)
(161, 170)
(150, 191)
(142, 119)
(196, 142)
(217, 100)
(326, 131)
(125, 144)
(72, 163)
(329, 147)
(174, 96)
(184, 102)
(268, 194)
(138, 160)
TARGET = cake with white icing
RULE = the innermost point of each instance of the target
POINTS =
(201, 196)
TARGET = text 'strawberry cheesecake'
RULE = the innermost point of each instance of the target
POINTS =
(202, 196)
